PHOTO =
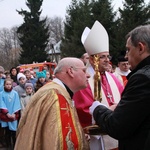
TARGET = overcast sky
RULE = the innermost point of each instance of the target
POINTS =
(9, 17)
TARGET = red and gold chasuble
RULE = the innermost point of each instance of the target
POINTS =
(50, 121)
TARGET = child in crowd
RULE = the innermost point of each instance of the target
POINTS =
(2, 79)
(41, 76)
(8, 76)
(9, 111)
(48, 76)
(29, 77)
(13, 73)
(25, 98)
(21, 87)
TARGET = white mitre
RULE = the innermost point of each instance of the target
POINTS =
(85, 34)
(95, 40)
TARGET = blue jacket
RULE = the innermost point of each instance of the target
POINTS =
(2, 84)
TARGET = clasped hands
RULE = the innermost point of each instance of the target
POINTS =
(13, 116)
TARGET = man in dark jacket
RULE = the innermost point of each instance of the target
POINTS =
(129, 122)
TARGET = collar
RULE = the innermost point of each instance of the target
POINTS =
(8, 90)
(142, 64)
(56, 80)
(69, 91)
(122, 73)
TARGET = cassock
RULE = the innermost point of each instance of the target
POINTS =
(50, 121)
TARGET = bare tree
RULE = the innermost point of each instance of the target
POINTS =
(9, 47)
(16, 50)
(56, 29)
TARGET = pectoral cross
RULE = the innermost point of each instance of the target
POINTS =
(110, 97)
(67, 109)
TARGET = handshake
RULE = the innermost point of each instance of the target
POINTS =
(97, 103)
(95, 129)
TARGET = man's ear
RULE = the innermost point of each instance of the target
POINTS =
(70, 72)
(141, 47)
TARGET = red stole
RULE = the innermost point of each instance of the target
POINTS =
(68, 128)
(107, 89)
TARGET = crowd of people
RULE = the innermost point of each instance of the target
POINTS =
(39, 113)
(16, 90)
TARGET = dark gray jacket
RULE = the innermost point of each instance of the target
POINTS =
(130, 121)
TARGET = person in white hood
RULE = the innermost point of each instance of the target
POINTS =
(21, 78)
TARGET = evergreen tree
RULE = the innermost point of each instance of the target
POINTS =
(33, 34)
(84, 13)
(134, 13)
(103, 12)
(78, 17)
